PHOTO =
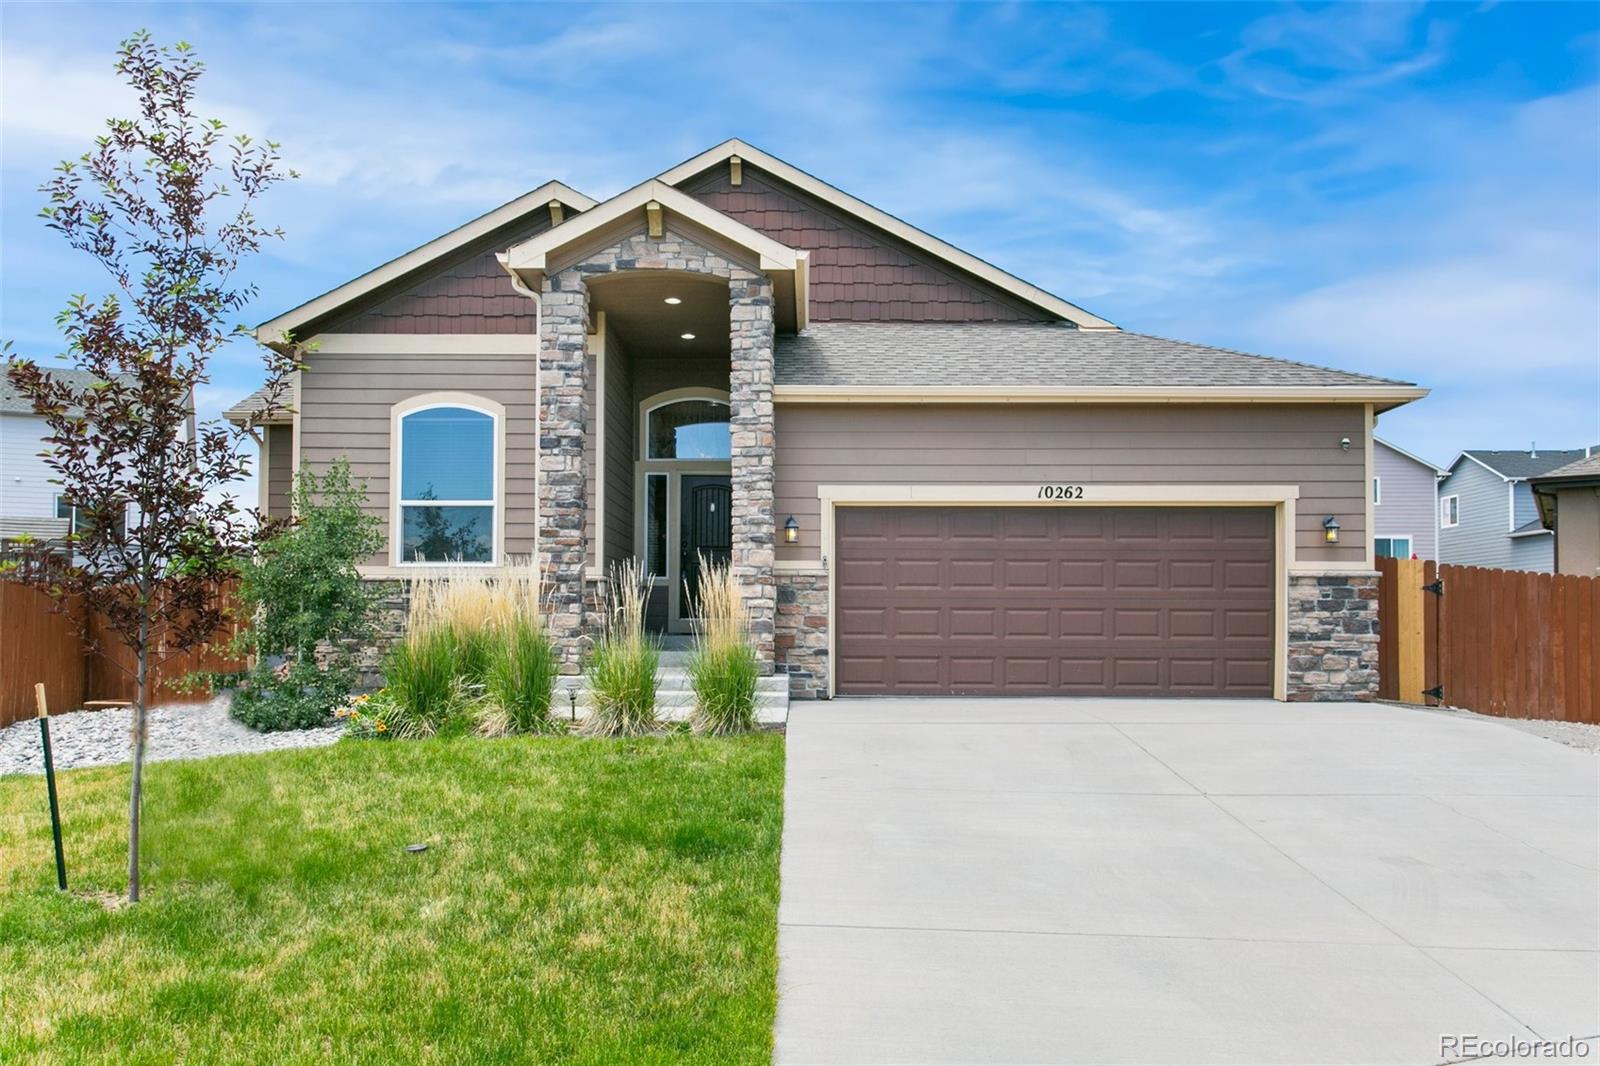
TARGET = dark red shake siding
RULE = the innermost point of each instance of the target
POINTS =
(858, 273)
(472, 295)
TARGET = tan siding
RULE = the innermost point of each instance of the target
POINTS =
(280, 469)
(937, 444)
(345, 403)
(619, 453)
(651, 376)
(858, 273)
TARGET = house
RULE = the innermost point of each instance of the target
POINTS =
(1568, 499)
(1487, 516)
(1405, 501)
(931, 476)
(30, 505)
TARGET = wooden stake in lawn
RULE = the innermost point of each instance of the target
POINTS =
(50, 785)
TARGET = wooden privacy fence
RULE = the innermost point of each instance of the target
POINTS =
(1501, 642)
(37, 643)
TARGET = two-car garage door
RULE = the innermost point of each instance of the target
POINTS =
(1119, 601)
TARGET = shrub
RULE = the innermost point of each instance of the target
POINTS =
(520, 680)
(623, 666)
(301, 594)
(723, 669)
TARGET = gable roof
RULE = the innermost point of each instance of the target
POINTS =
(529, 259)
(920, 239)
(1519, 465)
(420, 257)
(1419, 460)
(870, 361)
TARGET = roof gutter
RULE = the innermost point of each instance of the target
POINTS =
(1381, 397)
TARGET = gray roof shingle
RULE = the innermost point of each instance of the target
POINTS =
(249, 409)
(12, 402)
(1524, 464)
(1583, 468)
(935, 354)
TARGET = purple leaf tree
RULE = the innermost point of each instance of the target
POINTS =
(163, 202)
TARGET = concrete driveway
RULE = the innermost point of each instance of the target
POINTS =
(1128, 881)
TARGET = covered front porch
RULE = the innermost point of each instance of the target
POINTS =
(657, 318)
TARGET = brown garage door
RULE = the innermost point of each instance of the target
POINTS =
(1017, 601)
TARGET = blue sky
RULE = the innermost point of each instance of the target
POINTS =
(1411, 191)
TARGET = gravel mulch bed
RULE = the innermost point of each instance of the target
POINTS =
(1580, 735)
(100, 738)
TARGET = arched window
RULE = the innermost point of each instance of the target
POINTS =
(448, 483)
(692, 428)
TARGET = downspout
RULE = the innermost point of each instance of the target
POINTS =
(518, 285)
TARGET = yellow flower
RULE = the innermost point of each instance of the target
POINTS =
(382, 728)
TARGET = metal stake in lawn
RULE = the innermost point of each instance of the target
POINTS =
(50, 785)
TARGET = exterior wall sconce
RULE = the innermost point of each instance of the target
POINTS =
(1344, 444)
(1330, 529)
(791, 531)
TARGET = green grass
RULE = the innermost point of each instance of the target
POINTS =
(581, 900)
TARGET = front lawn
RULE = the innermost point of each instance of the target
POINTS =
(580, 901)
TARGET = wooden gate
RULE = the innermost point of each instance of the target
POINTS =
(1500, 642)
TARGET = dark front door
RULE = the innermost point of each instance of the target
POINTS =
(705, 531)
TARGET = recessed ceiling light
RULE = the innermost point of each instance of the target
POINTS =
(672, 300)
(687, 336)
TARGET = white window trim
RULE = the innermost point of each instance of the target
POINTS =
(429, 401)
(1445, 509)
(1411, 543)
(1377, 490)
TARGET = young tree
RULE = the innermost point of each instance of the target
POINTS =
(163, 203)
(305, 604)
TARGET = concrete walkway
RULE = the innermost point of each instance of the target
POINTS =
(1098, 881)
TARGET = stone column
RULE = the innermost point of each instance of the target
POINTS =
(750, 412)
(563, 374)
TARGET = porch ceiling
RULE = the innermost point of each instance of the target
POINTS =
(636, 308)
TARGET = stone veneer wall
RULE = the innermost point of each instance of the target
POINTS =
(801, 640)
(1333, 636)
(563, 378)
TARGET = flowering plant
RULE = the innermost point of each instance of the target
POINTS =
(367, 716)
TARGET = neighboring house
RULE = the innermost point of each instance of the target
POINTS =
(29, 504)
(930, 476)
(1487, 515)
(1405, 503)
(1568, 499)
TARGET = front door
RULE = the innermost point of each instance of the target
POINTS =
(705, 535)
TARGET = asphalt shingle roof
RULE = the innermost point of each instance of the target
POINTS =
(934, 354)
(1524, 464)
(12, 402)
(250, 408)
(1589, 467)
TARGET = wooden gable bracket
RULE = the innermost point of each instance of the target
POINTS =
(652, 217)
(557, 213)
(735, 170)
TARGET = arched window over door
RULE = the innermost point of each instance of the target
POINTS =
(691, 428)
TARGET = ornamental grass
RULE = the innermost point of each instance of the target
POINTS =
(623, 668)
(723, 669)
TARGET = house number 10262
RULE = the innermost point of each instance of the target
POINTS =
(1060, 492)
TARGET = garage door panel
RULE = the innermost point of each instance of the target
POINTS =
(1093, 601)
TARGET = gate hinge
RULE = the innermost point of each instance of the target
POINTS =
(1436, 692)
(1435, 587)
